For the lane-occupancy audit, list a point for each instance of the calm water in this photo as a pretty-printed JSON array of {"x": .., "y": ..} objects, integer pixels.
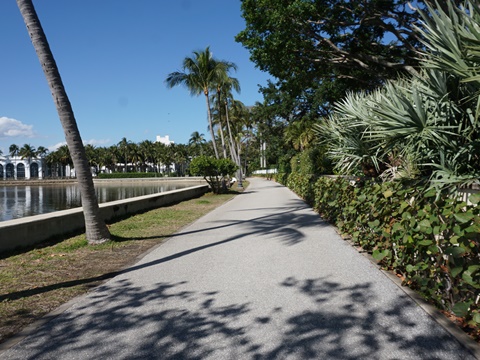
[{"x": 20, "y": 201}]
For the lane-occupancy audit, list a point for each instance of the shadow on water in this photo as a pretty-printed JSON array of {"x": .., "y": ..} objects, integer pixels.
[{"x": 171, "y": 322}]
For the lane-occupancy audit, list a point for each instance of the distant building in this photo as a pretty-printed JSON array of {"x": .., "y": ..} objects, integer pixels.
[
  {"x": 164, "y": 140},
  {"x": 14, "y": 167}
]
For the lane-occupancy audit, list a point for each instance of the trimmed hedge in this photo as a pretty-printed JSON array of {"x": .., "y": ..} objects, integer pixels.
[
  {"x": 432, "y": 241},
  {"x": 129, "y": 175}
]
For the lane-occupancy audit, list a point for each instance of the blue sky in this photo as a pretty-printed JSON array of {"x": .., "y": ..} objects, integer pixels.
[{"x": 113, "y": 56}]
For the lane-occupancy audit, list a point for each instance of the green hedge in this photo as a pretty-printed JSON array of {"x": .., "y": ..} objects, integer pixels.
[
  {"x": 129, "y": 175},
  {"x": 432, "y": 242}
]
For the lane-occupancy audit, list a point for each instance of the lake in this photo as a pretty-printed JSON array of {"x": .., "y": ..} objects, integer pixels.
[{"x": 18, "y": 201}]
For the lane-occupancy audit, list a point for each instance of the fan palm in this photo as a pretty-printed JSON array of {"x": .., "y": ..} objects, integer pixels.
[{"x": 428, "y": 122}]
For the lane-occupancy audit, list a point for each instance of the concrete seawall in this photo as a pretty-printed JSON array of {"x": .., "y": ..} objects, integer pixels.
[{"x": 35, "y": 229}]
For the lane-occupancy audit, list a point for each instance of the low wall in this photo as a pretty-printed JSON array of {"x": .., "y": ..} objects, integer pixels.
[{"x": 35, "y": 229}]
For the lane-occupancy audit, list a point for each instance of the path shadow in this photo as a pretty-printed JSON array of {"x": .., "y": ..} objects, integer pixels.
[
  {"x": 285, "y": 224},
  {"x": 351, "y": 322},
  {"x": 171, "y": 321}
]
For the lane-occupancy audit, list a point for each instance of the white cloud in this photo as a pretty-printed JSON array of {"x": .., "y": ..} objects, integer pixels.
[
  {"x": 56, "y": 146},
  {"x": 96, "y": 142},
  {"x": 13, "y": 128}
]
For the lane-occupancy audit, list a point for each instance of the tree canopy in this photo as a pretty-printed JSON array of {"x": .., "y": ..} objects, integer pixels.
[{"x": 330, "y": 47}]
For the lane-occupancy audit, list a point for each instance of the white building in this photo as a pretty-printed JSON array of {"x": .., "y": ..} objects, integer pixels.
[
  {"x": 164, "y": 140},
  {"x": 14, "y": 167}
]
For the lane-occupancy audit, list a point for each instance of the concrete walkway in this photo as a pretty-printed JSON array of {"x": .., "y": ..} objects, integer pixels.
[{"x": 262, "y": 277}]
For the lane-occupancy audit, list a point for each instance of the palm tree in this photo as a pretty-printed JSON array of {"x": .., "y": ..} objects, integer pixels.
[
  {"x": 27, "y": 151},
  {"x": 159, "y": 154},
  {"x": 63, "y": 157},
  {"x": 300, "y": 134},
  {"x": 200, "y": 74},
  {"x": 107, "y": 157},
  {"x": 52, "y": 164},
  {"x": 196, "y": 141},
  {"x": 180, "y": 158},
  {"x": 228, "y": 84},
  {"x": 92, "y": 156},
  {"x": 95, "y": 228},
  {"x": 224, "y": 86},
  {"x": 13, "y": 150},
  {"x": 42, "y": 151},
  {"x": 146, "y": 149},
  {"x": 136, "y": 156},
  {"x": 124, "y": 148}
]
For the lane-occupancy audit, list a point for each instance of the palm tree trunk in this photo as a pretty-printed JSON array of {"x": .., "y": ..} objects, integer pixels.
[
  {"x": 232, "y": 144},
  {"x": 95, "y": 227},
  {"x": 222, "y": 137},
  {"x": 209, "y": 114},
  {"x": 224, "y": 148}
]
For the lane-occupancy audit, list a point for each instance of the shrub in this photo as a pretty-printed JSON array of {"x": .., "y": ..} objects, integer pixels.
[
  {"x": 213, "y": 170},
  {"x": 431, "y": 241},
  {"x": 129, "y": 175}
]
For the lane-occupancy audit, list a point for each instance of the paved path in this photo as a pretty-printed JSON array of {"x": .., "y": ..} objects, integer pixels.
[{"x": 261, "y": 277}]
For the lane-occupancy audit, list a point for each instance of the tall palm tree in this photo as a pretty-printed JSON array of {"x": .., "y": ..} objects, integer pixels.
[
  {"x": 217, "y": 123},
  {"x": 95, "y": 228},
  {"x": 224, "y": 87},
  {"x": 200, "y": 74},
  {"x": 228, "y": 85}
]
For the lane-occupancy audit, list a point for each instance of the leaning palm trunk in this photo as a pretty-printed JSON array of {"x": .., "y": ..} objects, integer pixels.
[
  {"x": 224, "y": 148},
  {"x": 232, "y": 144},
  {"x": 222, "y": 138},
  {"x": 240, "y": 173},
  {"x": 212, "y": 134},
  {"x": 96, "y": 230},
  {"x": 235, "y": 153}
]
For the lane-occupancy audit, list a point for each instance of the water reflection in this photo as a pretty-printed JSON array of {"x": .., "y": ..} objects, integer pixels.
[{"x": 21, "y": 201}]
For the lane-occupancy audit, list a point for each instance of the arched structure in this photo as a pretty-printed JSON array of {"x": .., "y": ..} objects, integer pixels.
[{"x": 14, "y": 167}]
